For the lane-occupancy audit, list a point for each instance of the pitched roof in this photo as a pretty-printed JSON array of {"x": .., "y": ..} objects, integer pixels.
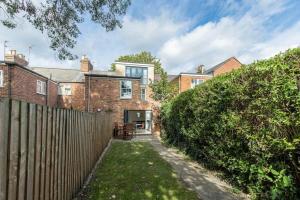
[
  {"x": 220, "y": 64},
  {"x": 170, "y": 77},
  {"x": 66, "y": 75}
]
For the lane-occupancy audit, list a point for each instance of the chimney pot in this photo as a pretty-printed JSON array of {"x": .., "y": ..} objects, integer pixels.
[
  {"x": 85, "y": 64},
  {"x": 200, "y": 69},
  {"x": 12, "y": 56}
]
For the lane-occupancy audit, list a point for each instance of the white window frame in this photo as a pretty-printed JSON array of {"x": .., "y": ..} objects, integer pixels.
[
  {"x": 62, "y": 89},
  {"x": 41, "y": 87},
  {"x": 196, "y": 82},
  {"x": 122, "y": 89},
  {"x": 1, "y": 78},
  {"x": 143, "y": 88}
]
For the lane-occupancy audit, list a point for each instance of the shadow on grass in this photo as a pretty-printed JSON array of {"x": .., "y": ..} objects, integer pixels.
[{"x": 133, "y": 170}]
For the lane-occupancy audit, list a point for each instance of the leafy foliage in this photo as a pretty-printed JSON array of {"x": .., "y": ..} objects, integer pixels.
[
  {"x": 60, "y": 18},
  {"x": 245, "y": 123}
]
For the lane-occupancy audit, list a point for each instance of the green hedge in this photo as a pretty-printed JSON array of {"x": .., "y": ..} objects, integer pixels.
[{"x": 245, "y": 123}]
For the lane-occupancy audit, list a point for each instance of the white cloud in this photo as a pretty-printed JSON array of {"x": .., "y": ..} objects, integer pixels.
[
  {"x": 169, "y": 37},
  {"x": 246, "y": 37}
]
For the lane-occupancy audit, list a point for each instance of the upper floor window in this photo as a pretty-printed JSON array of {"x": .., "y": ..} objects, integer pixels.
[
  {"x": 41, "y": 87},
  {"x": 141, "y": 72},
  {"x": 143, "y": 94},
  {"x": 1, "y": 78},
  {"x": 196, "y": 82},
  {"x": 126, "y": 89},
  {"x": 65, "y": 90}
]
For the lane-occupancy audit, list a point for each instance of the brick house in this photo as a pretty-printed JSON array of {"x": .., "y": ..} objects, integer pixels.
[
  {"x": 17, "y": 81},
  {"x": 125, "y": 92},
  {"x": 185, "y": 81}
]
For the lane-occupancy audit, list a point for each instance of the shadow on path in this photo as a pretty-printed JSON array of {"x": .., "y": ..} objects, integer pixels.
[{"x": 197, "y": 178}]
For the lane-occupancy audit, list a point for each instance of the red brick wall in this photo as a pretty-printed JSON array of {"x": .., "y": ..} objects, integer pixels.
[
  {"x": 105, "y": 95},
  {"x": 228, "y": 66},
  {"x": 186, "y": 81},
  {"x": 76, "y": 100},
  {"x": 23, "y": 86},
  {"x": 52, "y": 94}
]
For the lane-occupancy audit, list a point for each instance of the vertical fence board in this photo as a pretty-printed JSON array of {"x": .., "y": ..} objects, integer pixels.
[
  {"x": 4, "y": 122},
  {"x": 14, "y": 150},
  {"x": 48, "y": 154},
  {"x": 38, "y": 152},
  {"x": 23, "y": 151},
  {"x": 56, "y": 154},
  {"x": 53, "y": 154},
  {"x": 31, "y": 148},
  {"x": 43, "y": 152}
]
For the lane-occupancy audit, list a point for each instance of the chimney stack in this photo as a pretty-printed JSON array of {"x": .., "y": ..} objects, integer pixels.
[
  {"x": 85, "y": 64},
  {"x": 200, "y": 69},
  {"x": 12, "y": 56}
]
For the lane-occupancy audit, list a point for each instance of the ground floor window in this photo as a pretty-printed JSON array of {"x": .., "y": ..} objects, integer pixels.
[
  {"x": 196, "y": 82},
  {"x": 141, "y": 119},
  {"x": 126, "y": 89}
]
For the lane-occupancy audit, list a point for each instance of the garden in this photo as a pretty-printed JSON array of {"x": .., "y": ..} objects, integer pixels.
[{"x": 245, "y": 124}]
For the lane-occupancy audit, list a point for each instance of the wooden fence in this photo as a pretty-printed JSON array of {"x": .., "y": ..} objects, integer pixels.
[{"x": 47, "y": 153}]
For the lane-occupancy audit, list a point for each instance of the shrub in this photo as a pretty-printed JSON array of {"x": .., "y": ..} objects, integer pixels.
[{"x": 245, "y": 123}]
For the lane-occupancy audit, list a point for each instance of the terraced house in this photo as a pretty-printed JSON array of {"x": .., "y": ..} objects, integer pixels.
[
  {"x": 125, "y": 91},
  {"x": 187, "y": 80}
]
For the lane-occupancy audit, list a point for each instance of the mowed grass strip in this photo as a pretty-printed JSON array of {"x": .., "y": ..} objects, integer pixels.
[{"x": 133, "y": 170}]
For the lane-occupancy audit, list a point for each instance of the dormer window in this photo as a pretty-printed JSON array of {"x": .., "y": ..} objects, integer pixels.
[{"x": 140, "y": 72}]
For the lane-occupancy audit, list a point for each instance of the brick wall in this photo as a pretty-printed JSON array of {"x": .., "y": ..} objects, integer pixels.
[
  {"x": 76, "y": 100},
  {"x": 105, "y": 95},
  {"x": 186, "y": 81},
  {"x": 53, "y": 92},
  {"x": 23, "y": 86},
  {"x": 228, "y": 66}
]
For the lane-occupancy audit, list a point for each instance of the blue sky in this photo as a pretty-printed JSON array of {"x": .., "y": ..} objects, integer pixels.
[{"x": 182, "y": 33}]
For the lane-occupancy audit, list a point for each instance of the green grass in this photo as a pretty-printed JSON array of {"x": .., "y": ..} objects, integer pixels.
[{"x": 133, "y": 170}]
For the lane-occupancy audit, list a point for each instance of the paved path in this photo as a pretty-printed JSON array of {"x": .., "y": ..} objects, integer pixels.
[{"x": 207, "y": 186}]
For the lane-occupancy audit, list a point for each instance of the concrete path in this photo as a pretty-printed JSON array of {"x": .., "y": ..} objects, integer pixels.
[{"x": 207, "y": 186}]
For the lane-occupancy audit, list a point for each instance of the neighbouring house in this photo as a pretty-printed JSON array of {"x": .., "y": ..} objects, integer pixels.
[
  {"x": 186, "y": 81},
  {"x": 125, "y": 92},
  {"x": 18, "y": 81},
  {"x": 226, "y": 66}
]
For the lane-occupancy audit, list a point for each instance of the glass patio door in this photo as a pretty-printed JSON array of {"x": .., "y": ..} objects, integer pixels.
[{"x": 148, "y": 119}]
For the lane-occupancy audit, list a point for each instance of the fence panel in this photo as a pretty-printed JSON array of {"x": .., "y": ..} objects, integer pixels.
[{"x": 47, "y": 153}]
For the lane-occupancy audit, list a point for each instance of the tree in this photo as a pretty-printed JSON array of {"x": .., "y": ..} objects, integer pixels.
[
  {"x": 162, "y": 89},
  {"x": 143, "y": 57},
  {"x": 60, "y": 18}
]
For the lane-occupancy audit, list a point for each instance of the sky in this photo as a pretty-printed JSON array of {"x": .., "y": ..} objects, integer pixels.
[{"x": 181, "y": 33}]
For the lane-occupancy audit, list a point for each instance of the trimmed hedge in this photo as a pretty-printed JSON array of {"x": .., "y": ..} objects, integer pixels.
[{"x": 245, "y": 123}]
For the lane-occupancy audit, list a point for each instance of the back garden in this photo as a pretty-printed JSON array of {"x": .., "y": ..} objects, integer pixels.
[{"x": 245, "y": 124}]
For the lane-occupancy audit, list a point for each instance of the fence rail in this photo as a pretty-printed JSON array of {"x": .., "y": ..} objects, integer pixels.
[{"x": 46, "y": 153}]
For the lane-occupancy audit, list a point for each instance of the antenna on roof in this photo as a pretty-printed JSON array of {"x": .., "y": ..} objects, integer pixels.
[
  {"x": 4, "y": 48},
  {"x": 29, "y": 51}
]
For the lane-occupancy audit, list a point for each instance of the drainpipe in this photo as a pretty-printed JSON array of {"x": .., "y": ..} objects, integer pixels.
[{"x": 89, "y": 93}]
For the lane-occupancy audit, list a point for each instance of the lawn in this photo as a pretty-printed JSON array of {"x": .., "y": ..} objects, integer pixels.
[{"x": 133, "y": 170}]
